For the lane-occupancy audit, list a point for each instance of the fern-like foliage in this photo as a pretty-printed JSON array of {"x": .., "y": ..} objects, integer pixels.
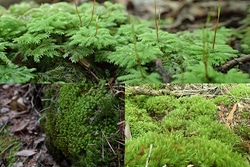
[
  {"x": 140, "y": 76},
  {"x": 106, "y": 36},
  {"x": 14, "y": 74},
  {"x": 218, "y": 55},
  {"x": 46, "y": 26},
  {"x": 88, "y": 40},
  {"x": 197, "y": 74}
]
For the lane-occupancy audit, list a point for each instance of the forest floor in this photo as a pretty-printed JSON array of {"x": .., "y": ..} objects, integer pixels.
[
  {"x": 22, "y": 138},
  {"x": 23, "y": 141}
]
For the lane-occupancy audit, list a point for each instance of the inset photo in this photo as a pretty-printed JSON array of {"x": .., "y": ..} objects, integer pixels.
[
  {"x": 133, "y": 41},
  {"x": 68, "y": 125},
  {"x": 187, "y": 125}
]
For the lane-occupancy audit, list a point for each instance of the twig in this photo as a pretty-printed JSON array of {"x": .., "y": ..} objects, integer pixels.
[
  {"x": 93, "y": 12},
  {"x": 8, "y": 147},
  {"x": 139, "y": 90},
  {"x": 4, "y": 125},
  {"x": 232, "y": 63},
  {"x": 108, "y": 143},
  {"x": 102, "y": 150},
  {"x": 150, "y": 152},
  {"x": 80, "y": 19}
]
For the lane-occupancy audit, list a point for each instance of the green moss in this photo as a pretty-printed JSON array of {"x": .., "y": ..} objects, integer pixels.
[
  {"x": 83, "y": 115},
  {"x": 160, "y": 104},
  {"x": 197, "y": 106},
  {"x": 187, "y": 133},
  {"x": 234, "y": 94},
  {"x": 139, "y": 120},
  {"x": 243, "y": 130},
  {"x": 211, "y": 129},
  {"x": 175, "y": 150},
  {"x": 240, "y": 91},
  {"x": 223, "y": 99},
  {"x": 138, "y": 100},
  {"x": 245, "y": 114}
]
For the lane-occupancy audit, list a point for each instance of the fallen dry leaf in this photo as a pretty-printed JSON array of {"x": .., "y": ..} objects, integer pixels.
[
  {"x": 13, "y": 103},
  {"x": 4, "y": 120},
  {"x": 127, "y": 132},
  {"x": 4, "y": 110},
  {"x": 19, "y": 126},
  {"x": 18, "y": 164},
  {"x": 25, "y": 153},
  {"x": 230, "y": 117},
  {"x": 38, "y": 141}
]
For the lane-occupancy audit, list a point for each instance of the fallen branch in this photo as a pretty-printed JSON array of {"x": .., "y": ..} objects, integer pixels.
[{"x": 230, "y": 64}]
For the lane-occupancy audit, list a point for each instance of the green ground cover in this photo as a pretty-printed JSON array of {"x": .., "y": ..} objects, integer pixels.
[{"x": 183, "y": 130}]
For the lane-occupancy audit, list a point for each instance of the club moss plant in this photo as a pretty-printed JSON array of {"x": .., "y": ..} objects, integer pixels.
[
  {"x": 183, "y": 131},
  {"x": 106, "y": 42},
  {"x": 81, "y": 124}
]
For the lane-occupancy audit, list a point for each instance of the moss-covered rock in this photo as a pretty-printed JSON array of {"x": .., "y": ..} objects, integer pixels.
[{"x": 81, "y": 122}]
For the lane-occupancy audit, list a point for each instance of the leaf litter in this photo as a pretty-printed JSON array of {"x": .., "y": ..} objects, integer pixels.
[
  {"x": 19, "y": 115},
  {"x": 23, "y": 123}
]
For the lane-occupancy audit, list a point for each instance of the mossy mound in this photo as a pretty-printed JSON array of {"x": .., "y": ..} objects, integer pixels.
[
  {"x": 139, "y": 120},
  {"x": 160, "y": 104},
  {"x": 81, "y": 122},
  {"x": 174, "y": 150}
]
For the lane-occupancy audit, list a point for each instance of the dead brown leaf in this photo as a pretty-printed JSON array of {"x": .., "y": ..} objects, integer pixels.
[
  {"x": 230, "y": 117},
  {"x": 25, "y": 153},
  {"x": 19, "y": 126}
]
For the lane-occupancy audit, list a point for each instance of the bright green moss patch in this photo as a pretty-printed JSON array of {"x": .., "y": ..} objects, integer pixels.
[
  {"x": 139, "y": 120},
  {"x": 175, "y": 150},
  {"x": 81, "y": 122},
  {"x": 183, "y": 131},
  {"x": 223, "y": 99},
  {"x": 240, "y": 91},
  {"x": 160, "y": 104},
  {"x": 197, "y": 106},
  {"x": 234, "y": 94}
]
